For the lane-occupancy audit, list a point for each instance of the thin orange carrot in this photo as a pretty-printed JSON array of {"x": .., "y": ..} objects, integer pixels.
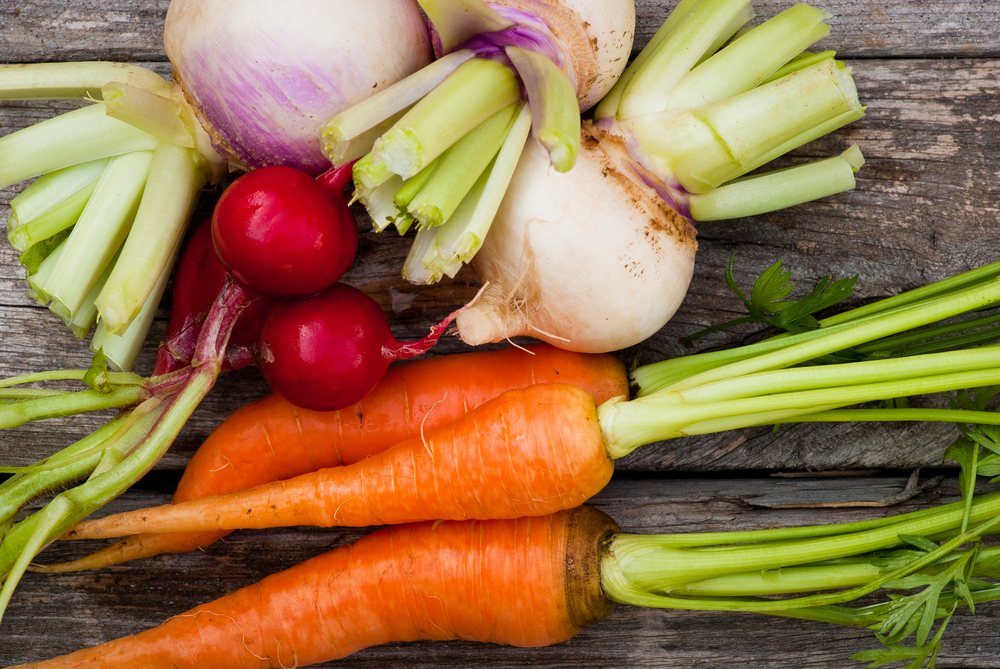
[
  {"x": 528, "y": 452},
  {"x": 271, "y": 439},
  {"x": 526, "y": 582}
]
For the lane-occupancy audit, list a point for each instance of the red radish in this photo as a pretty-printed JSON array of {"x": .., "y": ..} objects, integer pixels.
[
  {"x": 282, "y": 232},
  {"x": 327, "y": 351},
  {"x": 197, "y": 282}
]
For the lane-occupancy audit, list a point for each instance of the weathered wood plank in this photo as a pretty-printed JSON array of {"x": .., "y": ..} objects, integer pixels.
[
  {"x": 90, "y": 608},
  {"x": 132, "y": 30}
]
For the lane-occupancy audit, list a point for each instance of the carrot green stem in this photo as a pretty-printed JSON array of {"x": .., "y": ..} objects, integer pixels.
[
  {"x": 652, "y": 571},
  {"x": 658, "y": 376}
]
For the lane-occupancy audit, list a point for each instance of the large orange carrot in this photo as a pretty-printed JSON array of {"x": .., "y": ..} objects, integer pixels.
[
  {"x": 271, "y": 439},
  {"x": 525, "y": 582},
  {"x": 528, "y": 452}
]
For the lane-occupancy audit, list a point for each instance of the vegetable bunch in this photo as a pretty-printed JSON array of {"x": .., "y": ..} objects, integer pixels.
[{"x": 99, "y": 231}]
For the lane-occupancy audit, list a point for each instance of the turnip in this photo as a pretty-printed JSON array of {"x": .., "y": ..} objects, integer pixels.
[
  {"x": 438, "y": 149},
  {"x": 253, "y": 81},
  {"x": 599, "y": 258}
]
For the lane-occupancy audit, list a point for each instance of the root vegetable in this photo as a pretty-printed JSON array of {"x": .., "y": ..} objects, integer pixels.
[
  {"x": 411, "y": 398},
  {"x": 539, "y": 581}
]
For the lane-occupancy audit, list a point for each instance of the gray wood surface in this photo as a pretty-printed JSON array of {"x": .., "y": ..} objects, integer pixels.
[{"x": 926, "y": 207}]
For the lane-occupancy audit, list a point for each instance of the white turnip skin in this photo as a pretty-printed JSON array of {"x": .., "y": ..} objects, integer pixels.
[
  {"x": 596, "y": 37},
  {"x": 263, "y": 76},
  {"x": 591, "y": 260}
]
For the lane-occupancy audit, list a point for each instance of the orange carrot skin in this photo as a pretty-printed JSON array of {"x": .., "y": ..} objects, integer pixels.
[
  {"x": 271, "y": 439},
  {"x": 525, "y": 582},
  {"x": 529, "y": 452}
]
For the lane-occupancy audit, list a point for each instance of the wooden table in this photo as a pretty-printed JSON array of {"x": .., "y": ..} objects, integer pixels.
[{"x": 926, "y": 207}]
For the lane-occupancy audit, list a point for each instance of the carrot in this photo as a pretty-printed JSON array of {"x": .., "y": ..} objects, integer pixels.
[
  {"x": 515, "y": 440},
  {"x": 528, "y": 452},
  {"x": 539, "y": 581},
  {"x": 271, "y": 439},
  {"x": 526, "y": 582}
]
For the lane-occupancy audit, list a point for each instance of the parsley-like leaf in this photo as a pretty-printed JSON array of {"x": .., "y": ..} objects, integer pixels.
[{"x": 767, "y": 303}]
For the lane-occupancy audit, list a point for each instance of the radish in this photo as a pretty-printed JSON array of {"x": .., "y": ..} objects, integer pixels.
[
  {"x": 437, "y": 149},
  {"x": 283, "y": 233},
  {"x": 271, "y": 207},
  {"x": 253, "y": 80},
  {"x": 327, "y": 351},
  {"x": 599, "y": 258},
  {"x": 197, "y": 281}
]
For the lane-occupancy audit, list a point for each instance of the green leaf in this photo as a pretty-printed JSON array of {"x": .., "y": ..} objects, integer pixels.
[
  {"x": 767, "y": 303},
  {"x": 97, "y": 376}
]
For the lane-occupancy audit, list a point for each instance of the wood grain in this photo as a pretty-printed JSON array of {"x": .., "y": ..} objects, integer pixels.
[{"x": 926, "y": 207}]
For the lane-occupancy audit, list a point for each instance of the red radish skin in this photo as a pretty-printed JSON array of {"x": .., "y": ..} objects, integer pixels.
[
  {"x": 327, "y": 351},
  {"x": 282, "y": 232},
  {"x": 197, "y": 282}
]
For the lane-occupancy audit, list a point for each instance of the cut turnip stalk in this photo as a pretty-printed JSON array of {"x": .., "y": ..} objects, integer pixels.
[
  {"x": 52, "y": 203},
  {"x": 494, "y": 54},
  {"x": 673, "y": 143},
  {"x": 243, "y": 97}
]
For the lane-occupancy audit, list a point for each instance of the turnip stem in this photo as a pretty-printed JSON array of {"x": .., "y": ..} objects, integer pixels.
[
  {"x": 472, "y": 93},
  {"x": 649, "y": 88},
  {"x": 460, "y": 168},
  {"x": 705, "y": 147},
  {"x": 608, "y": 107},
  {"x": 342, "y": 135},
  {"x": 52, "y": 203},
  {"x": 69, "y": 139},
  {"x": 83, "y": 81},
  {"x": 801, "y": 61},
  {"x": 779, "y": 189},
  {"x": 751, "y": 58},
  {"x": 158, "y": 115},
  {"x": 555, "y": 113},
  {"x": 456, "y": 21},
  {"x": 175, "y": 179},
  {"x": 122, "y": 350},
  {"x": 100, "y": 231}
]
